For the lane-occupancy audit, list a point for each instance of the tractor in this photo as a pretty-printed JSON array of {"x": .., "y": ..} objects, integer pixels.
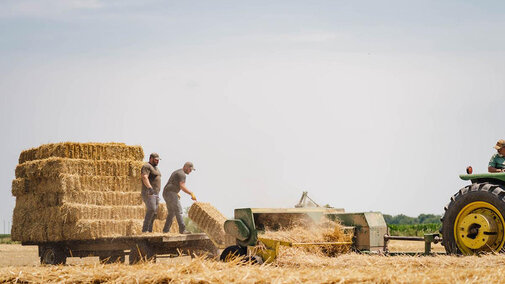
[{"x": 474, "y": 219}]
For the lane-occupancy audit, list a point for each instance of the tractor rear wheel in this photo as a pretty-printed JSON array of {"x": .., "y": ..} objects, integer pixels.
[{"x": 474, "y": 221}]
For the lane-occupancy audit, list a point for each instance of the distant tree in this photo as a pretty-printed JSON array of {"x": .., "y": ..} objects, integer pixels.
[
  {"x": 388, "y": 218},
  {"x": 402, "y": 219},
  {"x": 428, "y": 219}
]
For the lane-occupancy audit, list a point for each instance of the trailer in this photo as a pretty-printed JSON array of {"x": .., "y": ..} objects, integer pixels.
[{"x": 138, "y": 248}]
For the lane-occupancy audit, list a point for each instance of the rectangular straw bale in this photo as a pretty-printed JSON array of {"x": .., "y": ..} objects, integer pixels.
[
  {"x": 94, "y": 212},
  {"x": 33, "y": 227},
  {"x": 18, "y": 223},
  {"x": 94, "y": 198},
  {"x": 88, "y": 151},
  {"x": 93, "y": 229},
  {"x": 32, "y": 200},
  {"x": 162, "y": 213},
  {"x": 211, "y": 221},
  {"x": 43, "y": 228},
  {"x": 103, "y": 198},
  {"x": 72, "y": 212},
  {"x": 68, "y": 182},
  {"x": 159, "y": 224},
  {"x": 53, "y": 167},
  {"x": 136, "y": 227},
  {"x": 19, "y": 186}
]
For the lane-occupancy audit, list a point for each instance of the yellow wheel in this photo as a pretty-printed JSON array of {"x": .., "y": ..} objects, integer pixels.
[{"x": 473, "y": 221}]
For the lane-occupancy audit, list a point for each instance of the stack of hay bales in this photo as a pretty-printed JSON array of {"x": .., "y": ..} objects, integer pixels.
[
  {"x": 211, "y": 221},
  {"x": 79, "y": 191}
]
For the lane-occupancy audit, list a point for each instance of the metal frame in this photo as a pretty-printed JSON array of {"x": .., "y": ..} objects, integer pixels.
[
  {"x": 427, "y": 239},
  {"x": 120, "y": 246}
]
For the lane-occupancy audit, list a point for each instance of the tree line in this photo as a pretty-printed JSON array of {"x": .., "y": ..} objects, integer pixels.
[{"x": 402, "y": 225}]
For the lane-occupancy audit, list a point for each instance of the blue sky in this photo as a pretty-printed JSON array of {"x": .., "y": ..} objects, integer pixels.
[{"x": 368, "y": 105}]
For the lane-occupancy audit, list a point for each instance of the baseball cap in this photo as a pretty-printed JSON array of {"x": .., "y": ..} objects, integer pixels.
[
  {"x": 190, "y": 165},
  {"x": 500, "y": 144},
  {"x": 155, "y": 155}
]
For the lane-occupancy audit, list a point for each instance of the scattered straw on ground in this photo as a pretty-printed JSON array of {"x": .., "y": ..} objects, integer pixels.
[{"x": 348, "y": 268}]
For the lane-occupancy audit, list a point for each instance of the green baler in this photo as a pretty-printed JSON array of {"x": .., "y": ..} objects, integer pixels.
[{"x": 369, "y": 228}]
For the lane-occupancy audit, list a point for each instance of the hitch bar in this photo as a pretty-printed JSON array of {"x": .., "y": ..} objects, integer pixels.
[{"x": 427, "y": 239}]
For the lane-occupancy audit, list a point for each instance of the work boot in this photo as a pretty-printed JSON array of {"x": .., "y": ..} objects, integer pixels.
[{"x": 186, "y": 232}]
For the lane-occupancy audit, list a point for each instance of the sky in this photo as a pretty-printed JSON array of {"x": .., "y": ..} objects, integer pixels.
[{"x": 367, "y": 105}]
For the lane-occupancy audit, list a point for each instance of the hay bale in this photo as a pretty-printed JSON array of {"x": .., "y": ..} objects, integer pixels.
[
  {"x": 159, "y": 224},
  {"x": 162, "y": 212},
  {"x": 71, "y": 182},
  {"x": 50, "y": 231},
  {"x": 83, "y": 197},
  {"x": 94, "y": 229},
  {"x": 53, "y": 167},
  {"x": 211, "y": 221},
  {"x": 72, "y": 191},
  {"x": 79, "y": 191},
  {"x": 88, "y": 151},
  {"x": 50, "y": 218}
]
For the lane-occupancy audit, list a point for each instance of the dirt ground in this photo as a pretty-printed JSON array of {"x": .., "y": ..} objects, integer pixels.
[{"x": 18, "y": 255}]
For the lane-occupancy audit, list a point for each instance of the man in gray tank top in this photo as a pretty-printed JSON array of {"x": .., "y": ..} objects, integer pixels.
[
  {"x": 151, "y": 185},
  {"x": 176, "y": 183}
]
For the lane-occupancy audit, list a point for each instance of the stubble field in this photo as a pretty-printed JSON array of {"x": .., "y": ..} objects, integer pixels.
[{"x": 21, "y": 265}]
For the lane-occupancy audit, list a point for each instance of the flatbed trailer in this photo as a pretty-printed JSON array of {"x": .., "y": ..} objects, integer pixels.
[{"x": 110, "y": 250}]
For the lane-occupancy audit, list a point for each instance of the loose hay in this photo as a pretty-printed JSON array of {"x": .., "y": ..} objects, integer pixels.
[
  {"x": 349, "y": 268},
  {"x": 326, "y": 231}
]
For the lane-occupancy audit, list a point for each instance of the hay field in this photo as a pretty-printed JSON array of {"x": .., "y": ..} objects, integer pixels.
[{"x": 347, "y": 268}]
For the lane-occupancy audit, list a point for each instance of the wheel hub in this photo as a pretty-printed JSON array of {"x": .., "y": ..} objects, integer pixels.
[
  {"x": 479, "y": 227},
  {"x": 477, "y": 230}
]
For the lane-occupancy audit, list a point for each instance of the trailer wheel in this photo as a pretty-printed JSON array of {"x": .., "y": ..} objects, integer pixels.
[
  {"x": 232, "y": 252},
  {"x": 142, "y": 252},
  {"x": 53, "y": 255},
  {"x": 474, "y": 221},
  {"x": 114, "y": 257}
]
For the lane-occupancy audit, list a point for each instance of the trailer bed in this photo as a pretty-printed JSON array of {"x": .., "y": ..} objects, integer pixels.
[{"x": 139, "y": 247}]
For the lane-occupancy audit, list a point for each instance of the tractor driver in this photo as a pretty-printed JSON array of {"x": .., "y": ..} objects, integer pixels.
[{"x": 497, "y": 162}]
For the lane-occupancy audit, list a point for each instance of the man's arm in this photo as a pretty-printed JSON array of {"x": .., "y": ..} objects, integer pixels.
[
  {"x": 491, "y": 167},
  {"x": 145, "y": 180},
  {"x": 185, "y": 189},
  {"x": 494, "y": 170}
]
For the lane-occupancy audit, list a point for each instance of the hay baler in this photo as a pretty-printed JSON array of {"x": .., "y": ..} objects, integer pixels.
[{"x": 368, "y": 229}]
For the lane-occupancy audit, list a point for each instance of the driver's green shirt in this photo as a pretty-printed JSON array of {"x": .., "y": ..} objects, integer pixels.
[{"x": 497, "y": 161}]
